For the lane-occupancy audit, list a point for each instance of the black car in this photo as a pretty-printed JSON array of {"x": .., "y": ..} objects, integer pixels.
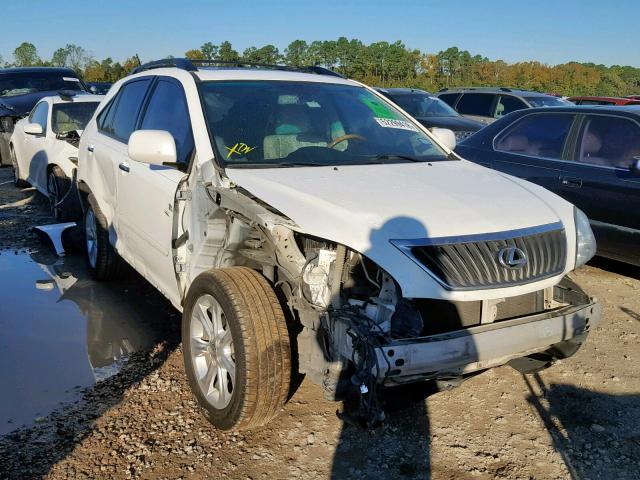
[
  {"x": 588, "y": 155},
  {"x": 21, "y": 89},
  {"x": 99, "y": 88},
  {"x": 431, "y": 111}
]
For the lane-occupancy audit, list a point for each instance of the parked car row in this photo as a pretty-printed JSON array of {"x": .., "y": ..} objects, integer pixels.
[{"x": 296, "y": 217}]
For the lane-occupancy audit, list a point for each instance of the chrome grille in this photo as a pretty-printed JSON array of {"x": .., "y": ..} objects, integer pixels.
[{"x": 472, "y": 262}]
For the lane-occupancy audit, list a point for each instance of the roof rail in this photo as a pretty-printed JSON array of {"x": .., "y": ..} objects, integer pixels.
[{"x": 192, "y": 66}]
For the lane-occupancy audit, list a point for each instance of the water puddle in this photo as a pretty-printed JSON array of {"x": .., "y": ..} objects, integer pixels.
[{"x": 60, "y": 331}]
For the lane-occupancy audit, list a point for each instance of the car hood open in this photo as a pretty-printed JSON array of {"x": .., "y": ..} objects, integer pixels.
[{"x": 365, "y": 206}]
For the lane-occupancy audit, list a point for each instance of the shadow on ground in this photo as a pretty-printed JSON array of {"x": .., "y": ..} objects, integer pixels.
[{"x": 595, "y": 433}]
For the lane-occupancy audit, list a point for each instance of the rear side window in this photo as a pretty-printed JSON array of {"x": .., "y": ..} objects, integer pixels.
[
  {"x": 167, "y": 110},
  {"x": 537, "y": 135},
  {"x": 121, "y": 116},
  {"x": 449, "y": 98},
  {"x": 507, "y": 104},
  {"x": 609, "y": 141},
  {"x": 476, "y": 104}
]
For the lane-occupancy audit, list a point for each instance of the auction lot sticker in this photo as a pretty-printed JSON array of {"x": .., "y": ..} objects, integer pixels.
[{"x": 391, "y": 123}]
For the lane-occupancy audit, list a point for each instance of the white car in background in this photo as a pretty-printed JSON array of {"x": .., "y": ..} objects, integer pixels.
[{"x": 44, "y": 148}]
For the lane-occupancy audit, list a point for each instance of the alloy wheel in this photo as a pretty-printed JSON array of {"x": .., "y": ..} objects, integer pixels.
[{"x": 212, "y": 351}]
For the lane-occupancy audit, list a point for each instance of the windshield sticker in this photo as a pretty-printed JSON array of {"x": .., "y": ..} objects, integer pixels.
[
  {"x": 71, "y": 79},
  {"x": 391, "y": 123},
  {"x": 378, "y": 108},
  {"x": 239, "y": 149}
]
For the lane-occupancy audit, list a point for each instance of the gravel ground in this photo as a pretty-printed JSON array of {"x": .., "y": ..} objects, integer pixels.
[{"x": 580, "y": 419}]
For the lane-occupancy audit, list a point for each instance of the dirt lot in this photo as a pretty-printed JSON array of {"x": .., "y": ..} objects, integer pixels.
[{"x": 580, "y": 419}]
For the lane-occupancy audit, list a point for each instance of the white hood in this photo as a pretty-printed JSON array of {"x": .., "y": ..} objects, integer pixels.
[{"x": 363, "y": 207}]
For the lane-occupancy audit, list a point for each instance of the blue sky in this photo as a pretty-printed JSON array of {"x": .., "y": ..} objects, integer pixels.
[{"x": 549, "y": 31}]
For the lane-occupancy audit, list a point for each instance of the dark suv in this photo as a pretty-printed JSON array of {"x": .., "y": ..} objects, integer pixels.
[
  {"x": 21, "y": 89},
  {"x": 488, "y": 104},
  {"x": 431, "y": 112}
]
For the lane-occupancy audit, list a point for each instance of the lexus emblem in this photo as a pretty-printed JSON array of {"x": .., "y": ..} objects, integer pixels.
[{"x": 512, "y": 257}]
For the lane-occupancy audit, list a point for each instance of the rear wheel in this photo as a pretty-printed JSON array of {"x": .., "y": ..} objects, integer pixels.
[
  {"x": 17, "y": 181},
  {"x": 103, "y": 261},
  {"x": 236, "y": 348}
]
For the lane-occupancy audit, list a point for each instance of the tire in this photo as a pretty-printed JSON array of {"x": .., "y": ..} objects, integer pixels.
[
  {"x": 103, "y": 261},
  {"x": 17, "y": 181},
  {"x": 57, "y": 185},
  {"x": 252, "y": 338}
]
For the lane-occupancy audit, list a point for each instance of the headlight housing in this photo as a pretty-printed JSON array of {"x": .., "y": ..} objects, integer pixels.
[{"x": 585, "y": 240}]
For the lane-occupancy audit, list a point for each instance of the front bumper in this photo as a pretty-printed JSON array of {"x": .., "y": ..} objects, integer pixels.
[
  {"x": 460, "y": 352},
  {"x": 485, "y": 346}
]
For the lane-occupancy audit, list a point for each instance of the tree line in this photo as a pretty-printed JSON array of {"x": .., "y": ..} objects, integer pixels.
[{"x": 378, "y": 64}]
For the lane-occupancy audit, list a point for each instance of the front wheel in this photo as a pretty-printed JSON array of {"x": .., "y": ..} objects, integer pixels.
[
  {"x": 236, "y": 348},
  {"x": 17, "y": 181},
  {"x": 57, "y": 181},
  {"x": 103, "y": 261}
]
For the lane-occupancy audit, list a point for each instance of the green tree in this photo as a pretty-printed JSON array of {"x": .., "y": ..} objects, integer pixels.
[
  {"x": 26, "y": 55},
  {"x": 209, "y": 51},
  {"x": 267, "y": 54},
  {"x": 226, "y": 53},
  {"x": 297, "y": 53}
]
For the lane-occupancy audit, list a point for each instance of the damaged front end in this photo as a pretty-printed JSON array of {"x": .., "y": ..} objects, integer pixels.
[{"x": 353, "y": 329}]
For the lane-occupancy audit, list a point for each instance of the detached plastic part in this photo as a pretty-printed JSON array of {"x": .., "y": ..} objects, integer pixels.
[{"x": 54, "y": 232}]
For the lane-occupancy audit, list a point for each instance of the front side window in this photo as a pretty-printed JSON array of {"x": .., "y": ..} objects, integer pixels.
[
  {"x": 167, "y": 110},
  {"x": 537, "y": 135},
  {"x": 423, "y": 105},
  {"x": 39, "y": 115},
  {"x": 66, "y": 117},
  {"x": 120, "y": 121},
  {"x": 507, "y": 104},
  {"x": 476, "y": 104},
  {"x": 609, "y": 141},
  {"x": 14, "y": 84},
  {"x": 279, "y": 123}
]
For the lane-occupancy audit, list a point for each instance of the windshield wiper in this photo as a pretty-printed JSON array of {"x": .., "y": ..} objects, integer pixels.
[
  {"x": 395, "y": 156},
  {"x": 277, "y": 165}
]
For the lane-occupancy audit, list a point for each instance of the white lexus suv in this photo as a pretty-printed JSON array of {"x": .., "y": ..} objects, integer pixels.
[{"x": 300, "y": 220}]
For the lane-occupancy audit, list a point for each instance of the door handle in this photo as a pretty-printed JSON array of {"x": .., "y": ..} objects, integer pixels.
[
  {"x": 90, "y": 148},
  {"x": 124, "y": 167},
  {"x": 572, "y": 182}
]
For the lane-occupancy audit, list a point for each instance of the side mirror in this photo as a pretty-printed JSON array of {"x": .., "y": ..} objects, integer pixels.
[
  {"x": 93, "y": 89},
  {"x": 155, "y": 147},
  {"x": 635, "y": 165},
  {"x": 33, "y": 129},
  {"x": 445, "y": 136}
]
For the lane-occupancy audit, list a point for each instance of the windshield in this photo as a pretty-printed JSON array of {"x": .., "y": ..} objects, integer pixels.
[
  {"x": 276, "y": 123},
  {"x": 424, "y": 105},
  {"x": 548, "y": 102},
  {"x": 66, "y": 117},
  {"x": 12, "y": 84}
]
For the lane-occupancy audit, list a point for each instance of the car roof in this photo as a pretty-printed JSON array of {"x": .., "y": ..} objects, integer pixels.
[
  {"x": 610, "y": 99},
  {"x": 66, "y": 71},
  {"x": 401, "y": 91},
  {"x": 516, "y": 91}
]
